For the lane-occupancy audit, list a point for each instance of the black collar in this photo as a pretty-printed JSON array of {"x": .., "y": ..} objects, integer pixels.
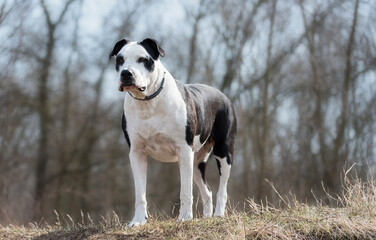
[{"x": 154, "y": 94}]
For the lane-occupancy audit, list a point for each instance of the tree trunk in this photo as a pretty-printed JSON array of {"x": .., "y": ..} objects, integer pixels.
[
  {"x": 338, "y": 142},
  {"x": 44, "y": 115},
  {"x": 43, "y": 109},
  {"x": 265, "y": 171},
  {"x": 193, "y": 44}
]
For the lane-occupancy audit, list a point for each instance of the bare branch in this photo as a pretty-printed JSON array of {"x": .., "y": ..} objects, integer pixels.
[{"x": 46, "y": 13}]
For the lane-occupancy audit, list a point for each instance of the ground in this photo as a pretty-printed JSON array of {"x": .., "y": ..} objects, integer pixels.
[{"x": 354, "y": 217}]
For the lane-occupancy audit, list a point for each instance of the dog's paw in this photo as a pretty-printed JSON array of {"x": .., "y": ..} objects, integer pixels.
[
  {"x": 219, "y": 213},
  {"x": 208, "y": 210},
  {"x": 185, "y": 216},
  {"x": 179, "y": 220},
  {"x": 137, "y": 222},
  {"x": 220, "y": 210}
]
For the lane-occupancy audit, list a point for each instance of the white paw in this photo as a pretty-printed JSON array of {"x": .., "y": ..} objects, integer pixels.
[
  {"x": 208, "y": 210},
  {"x": 185, "y": 215},
  {"x": 219, "y": 214},
  {"x": 220, "y": 207},
  {"x": 137, "y": 221}
]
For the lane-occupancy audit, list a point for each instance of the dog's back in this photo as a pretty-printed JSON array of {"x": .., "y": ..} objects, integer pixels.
[{"x": 210, "y": 115}]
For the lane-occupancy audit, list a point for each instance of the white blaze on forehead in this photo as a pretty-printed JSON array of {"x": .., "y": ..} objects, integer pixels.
[{"x": 132, "y": 51}]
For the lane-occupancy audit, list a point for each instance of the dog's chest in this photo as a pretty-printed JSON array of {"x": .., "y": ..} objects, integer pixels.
[
  {"x": 160, "y": 146},
  {"x": 158, "y": 133}
]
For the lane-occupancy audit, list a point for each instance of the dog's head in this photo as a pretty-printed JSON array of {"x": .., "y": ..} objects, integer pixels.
[{"x": 135, "y": 63}]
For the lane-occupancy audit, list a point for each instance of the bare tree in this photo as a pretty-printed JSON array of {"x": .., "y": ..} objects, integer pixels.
[
  {"x": 331, "y": 175},
  {"x": 236, "y": 30},
  {"x": 43, "y": 101},
  {"x": 196, "y": 17},
  {"x": 263, "y": 128},
  {"x": 7, "y": 8}
]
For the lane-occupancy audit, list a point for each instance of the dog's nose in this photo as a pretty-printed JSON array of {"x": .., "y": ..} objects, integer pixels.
[
  {"x": 126, "y": 74},
  {"x": 127, "y": 78}
]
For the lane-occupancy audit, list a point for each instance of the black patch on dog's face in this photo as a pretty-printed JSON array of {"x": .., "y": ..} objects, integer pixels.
[
  {"x": 119, "y": 62},
  {"x": 148, "y": 63}
]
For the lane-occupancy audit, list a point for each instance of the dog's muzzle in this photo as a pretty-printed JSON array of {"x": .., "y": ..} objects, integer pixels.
[{"x": 127, "y": 81}]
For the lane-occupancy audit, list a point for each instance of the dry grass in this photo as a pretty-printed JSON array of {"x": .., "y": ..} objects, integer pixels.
[{"x": 354, "y": 218}]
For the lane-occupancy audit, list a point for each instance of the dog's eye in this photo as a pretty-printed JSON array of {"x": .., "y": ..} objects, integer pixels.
[
  {"x": 141, "y": 60},
  {"x": 120, "y": 60}
]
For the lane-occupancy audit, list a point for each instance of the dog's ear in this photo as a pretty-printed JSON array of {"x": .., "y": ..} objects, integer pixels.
[
  {"x": 118, "y": 46},
  {"x": 153, "y": 48}
]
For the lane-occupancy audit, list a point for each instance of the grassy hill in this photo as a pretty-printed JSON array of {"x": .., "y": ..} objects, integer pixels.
[{"x": 354, "y": 218}]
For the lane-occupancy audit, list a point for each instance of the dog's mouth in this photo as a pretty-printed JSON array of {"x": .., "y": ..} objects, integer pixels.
[{"x": 128, "y": 88}]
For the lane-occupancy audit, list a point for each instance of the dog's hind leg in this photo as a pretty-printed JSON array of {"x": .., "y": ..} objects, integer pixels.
[
  {"x": 201, "y": 158},
  {"x": 224, "y": 131},
  {"x": 224, "y": 171}
]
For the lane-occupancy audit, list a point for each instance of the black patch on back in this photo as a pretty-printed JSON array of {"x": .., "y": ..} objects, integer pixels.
[
  {"x": 205, "y": 109},
  {"x": 203, "y": 105},
  {"x": 124, "y": 127},
  {"x": 191, "y": 126},
  {"x": 209, "y": 114},
  {"x": 118, "y": 46},
  {"x": 153, "y": 48},
  {"x": 202, "y": 167}
]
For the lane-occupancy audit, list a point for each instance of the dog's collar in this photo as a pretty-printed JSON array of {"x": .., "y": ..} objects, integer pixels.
[{"x": 154, "y": 94}]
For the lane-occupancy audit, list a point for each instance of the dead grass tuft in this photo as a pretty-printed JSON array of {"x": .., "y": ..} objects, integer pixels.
[{"x": 353, "y": 218}]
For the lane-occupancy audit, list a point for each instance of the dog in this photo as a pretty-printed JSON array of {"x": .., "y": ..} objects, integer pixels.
[{"x": 172, "y": 122}]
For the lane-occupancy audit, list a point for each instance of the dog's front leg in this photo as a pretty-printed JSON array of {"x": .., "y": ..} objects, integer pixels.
[
  {"x": 186, "y": 182},
  {"x": 139, "y": 169}
]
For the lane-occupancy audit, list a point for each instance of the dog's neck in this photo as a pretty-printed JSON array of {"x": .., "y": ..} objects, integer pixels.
[
  {"x": 148, "y": 108},
  {"x": 154, "y": 87},
  {"x": 156, "y": 83},
  {"x": 155, "y": 93}
]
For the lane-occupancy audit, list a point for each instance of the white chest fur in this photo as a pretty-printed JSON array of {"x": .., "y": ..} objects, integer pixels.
[{"x": 157, "y": 127}]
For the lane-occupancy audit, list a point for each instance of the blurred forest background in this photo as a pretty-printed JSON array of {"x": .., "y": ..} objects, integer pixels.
[{"x": 301, "y": 74}]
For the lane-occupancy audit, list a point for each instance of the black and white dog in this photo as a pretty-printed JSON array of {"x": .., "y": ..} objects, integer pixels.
[{"x": 173, "y": 122}]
